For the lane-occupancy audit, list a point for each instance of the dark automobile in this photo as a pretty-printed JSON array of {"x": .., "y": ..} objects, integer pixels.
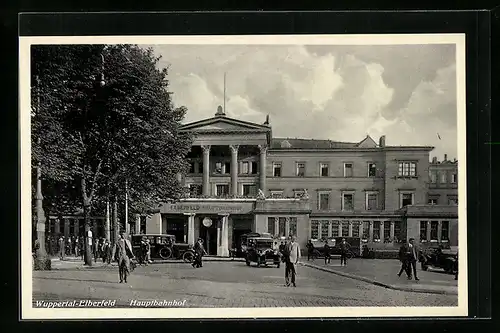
[
  {"x": 163, "y": 246},
  {"x": 241, "y": 252},
  {"x": 439, "y": 258},
  {"x": 334, "y": 247},
  {"x": 261, "y": 250}
]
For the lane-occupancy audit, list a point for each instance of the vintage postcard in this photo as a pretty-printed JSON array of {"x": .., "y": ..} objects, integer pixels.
[{"x": 243, "y": 176}]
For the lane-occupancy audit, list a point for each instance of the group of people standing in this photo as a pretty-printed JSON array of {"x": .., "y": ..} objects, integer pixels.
[{"x": 344, "y": 249}]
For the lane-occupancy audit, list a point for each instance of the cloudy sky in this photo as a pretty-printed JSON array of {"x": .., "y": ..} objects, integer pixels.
[{"x": 342, "y": 93}]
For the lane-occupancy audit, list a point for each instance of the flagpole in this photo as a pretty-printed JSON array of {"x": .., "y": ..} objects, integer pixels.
[{"x": 224, "y": 92}]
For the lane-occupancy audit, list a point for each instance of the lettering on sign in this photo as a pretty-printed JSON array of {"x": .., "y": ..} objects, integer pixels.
[{"x": 209, "y": 208}]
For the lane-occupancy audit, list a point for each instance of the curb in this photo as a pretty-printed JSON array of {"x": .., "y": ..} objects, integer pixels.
[{"x": 380, "y": 284}]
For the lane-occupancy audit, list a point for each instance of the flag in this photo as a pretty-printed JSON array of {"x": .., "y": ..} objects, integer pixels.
[{"x": 439, "y": 137}]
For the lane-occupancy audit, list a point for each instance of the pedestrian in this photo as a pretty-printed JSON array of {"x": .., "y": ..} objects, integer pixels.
[
  {"x": 292, "y": 254},
  {"x": 199, "y": 251},
  {"x": 403, "y": 257},
  {"x": 310, "y": 250},
  {"x": 413, "y": 258},
  {"x": 82, "y": 247},
  {"x": 68, "y": 246},
  {"x": 62, "y": 248},
  {"x": 148, "y": 252},
  {"x": 77, "y": 247},
  {"x": 344, "y": 250},
  {"x": 142, "y": 251},
  {"x": 122, "y": 253},
  {"x": 326, "y": 252},
  {"x": 281, "y": 248}
]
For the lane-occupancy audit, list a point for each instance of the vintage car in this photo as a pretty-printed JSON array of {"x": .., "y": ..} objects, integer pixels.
[
  {"x": 261, "y": 251},
  {"x": 163, "y": 246},
  {"x": 334, "y": 245},
  {"x": 241, "y": 252},
  {"x": 440, "y": 258}
]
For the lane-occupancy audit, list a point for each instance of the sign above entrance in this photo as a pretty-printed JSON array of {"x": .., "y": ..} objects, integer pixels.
[
  {"x": 208, "y": 208},
  {"x": 207, "y": 222}
]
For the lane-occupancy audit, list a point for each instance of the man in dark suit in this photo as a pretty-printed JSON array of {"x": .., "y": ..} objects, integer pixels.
[
  {"x": 122, "y": 252},
  {"x": 344, "y": 249},
  {"x": 199, "y": 251},
  {"x": 413, "y": 258},
  {"x": 326, "y": 250},
  {"x": 404, "y": 253}
]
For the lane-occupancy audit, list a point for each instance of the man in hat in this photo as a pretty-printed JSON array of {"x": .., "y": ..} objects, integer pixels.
[
  {"x": 122, "y": 252},
  {"x": 199, "y": 251},
  {"x": 344, "y": 249},
  {"x": 292, "y": 258},
  {"x": 413, "y": 258},
  {"x": 326, "y": 250}
]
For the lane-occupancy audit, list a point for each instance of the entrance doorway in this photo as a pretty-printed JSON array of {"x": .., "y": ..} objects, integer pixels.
[{"x": 209, "y": 236}]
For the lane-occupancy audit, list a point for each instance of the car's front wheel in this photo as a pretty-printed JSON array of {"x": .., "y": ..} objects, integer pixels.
[
  {"x": 165, "y": 253},
  {"x": 188, "y": 256}
]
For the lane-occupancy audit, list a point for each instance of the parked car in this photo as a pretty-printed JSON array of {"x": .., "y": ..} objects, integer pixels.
[
  {"x": 440, "y": 258},
  {"x": 241, "y": 252},
  {"x": 334, "y": 244},
  {"x": 163, "y": 246},
  {"x": 261, "y": 250}
]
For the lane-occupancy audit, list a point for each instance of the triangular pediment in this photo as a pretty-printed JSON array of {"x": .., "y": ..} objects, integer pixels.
[
  {"x": 223, "y": 124},
  {"x": 367, "y": 142}
]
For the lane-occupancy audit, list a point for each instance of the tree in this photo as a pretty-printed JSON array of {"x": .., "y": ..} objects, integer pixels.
[{"x": 110, "y": 107}]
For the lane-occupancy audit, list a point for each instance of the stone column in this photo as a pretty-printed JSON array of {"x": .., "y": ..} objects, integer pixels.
[
  {"x": 276, "y": 226},
  {"x": 190, "y": 228},
  {"x": 206, "y": 170},
  {"x": 287, "y": 227},
  {"x": 107, "y": 227},
  {"x": 392, "y": 230},
  {"x": 224, "y": 234},
  {"x": 137, "y": 224},
  {"x": 350, "y": 229},
  {"x": 440, "y": 230},
  {"x": 57, "y": 227},
  {"x": 370, "y": 237},
  {"x": 234, "y": 169},
  {"x": 263, "y": 166},
  {"x": 428, "y": 231}
]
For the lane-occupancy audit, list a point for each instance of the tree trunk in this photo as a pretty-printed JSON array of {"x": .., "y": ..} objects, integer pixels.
[
  {"x": 88, "y": 236},
  {"x": 116, "y": 226},
  {"x": 107, "y": 228}
]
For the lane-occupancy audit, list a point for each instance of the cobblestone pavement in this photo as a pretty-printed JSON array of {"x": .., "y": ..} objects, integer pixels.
[{"x": 223, "y": 284}]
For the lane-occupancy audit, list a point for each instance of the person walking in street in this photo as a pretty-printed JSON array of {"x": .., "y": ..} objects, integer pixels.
[
  {"x": 413, "y": 258},
  {"x": 310, "y": 250},
  {"x": 292, "y": 253},
  {"x": 122, "y": 252},
  {"x": 199, "y": 251},
  {"x": 326, "y": 252},
  {"x": 77, "y": 247},
  {"x": 404, "y": 252},
  {"x": 148, "y": 252},
  {"x": 62, "y": 248},
  {"x": 344, "y": 250}
]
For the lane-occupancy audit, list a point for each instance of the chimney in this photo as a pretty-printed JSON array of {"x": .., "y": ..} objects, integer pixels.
[
  {"x": 381, "y": 141},
  {"x": 445, "y": 157},
  {"x": 434, "y": 160}
]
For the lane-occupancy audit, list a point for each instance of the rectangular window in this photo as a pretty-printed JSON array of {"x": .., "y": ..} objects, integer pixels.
[
  {"x": 244, "y": 168},
  {"x": 366, "y": 229},
  {"x": 453, "y": 200},
  {"x": 372, "y": 170},
  {"x": 434, "y": 230},
  {"x": 443, "y": 178},
  {"x": 195, "y": 190},
  {"x": 249, "y": 190},
  {"x": 433, "y": 177},
  {"x": 255, "y": 168},
  {"x": 301, "y": 169},
  {"x": 270, "y": 226},
  {"x": 345, "y": 229},
  {"x": 407, "y": 169},
  {"x": 324, "y": 201},
  {"x": 276, "y": 169},
  {"x": 371, "y": 201},
  {"x": 406, "y": 199},
  {"x": 376, "y": 230},
  {"x": 276, "y": 194},
  {"x": 323, "y": 169},
  {"x": 355, "y": 228},
  {"x": 324, "y": 229},
  {"x": 218, "y": 168},
  {"x": 221, "y": 190},
  {"x": 192, "y": 167},
  {"x": 227, "y": 167},
  {"x": 432, "y": 201},
  {"x": 281, "y": 226},
  {"x": 335, "y": 228},
  {"x": 398, "y": 231},
  {"x": 293, "y": 226},
  {"x": 387, "y": 230},
  {"x": 453, "y": 178},
  {"x": 347, "y": 201},
  {"x": 348, "y": 170},
  {"x": 314, "y": 229},
  {"x": 423, "y": 231},
  {"x": 445, "y": 230}
]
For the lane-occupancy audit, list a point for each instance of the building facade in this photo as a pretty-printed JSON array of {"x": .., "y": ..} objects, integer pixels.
[{"x": 242, "y": 179}]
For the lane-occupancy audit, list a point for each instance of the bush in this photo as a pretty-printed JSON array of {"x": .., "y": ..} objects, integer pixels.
[{"x": 42, "y": 264}]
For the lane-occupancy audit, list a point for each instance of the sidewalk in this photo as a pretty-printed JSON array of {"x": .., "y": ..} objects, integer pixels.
[
  {"x": 383, "y": 272},
  {"x": 77, "y": 262}
]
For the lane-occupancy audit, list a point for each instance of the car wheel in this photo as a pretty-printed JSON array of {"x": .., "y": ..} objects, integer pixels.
[
  {"x": 424, "y": 267},
  {"x": 165, "y": 253},
  {"x": 188, "y": 256}
]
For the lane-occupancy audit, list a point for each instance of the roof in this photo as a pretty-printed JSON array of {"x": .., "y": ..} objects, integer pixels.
[{"x": 287, "y": 143}]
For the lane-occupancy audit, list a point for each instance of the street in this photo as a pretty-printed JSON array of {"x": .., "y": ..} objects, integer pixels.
[{"x": 223, "y": 284}]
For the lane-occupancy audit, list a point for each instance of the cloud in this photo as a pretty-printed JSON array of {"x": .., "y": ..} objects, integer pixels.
[{"x": 407, "y": 93}]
